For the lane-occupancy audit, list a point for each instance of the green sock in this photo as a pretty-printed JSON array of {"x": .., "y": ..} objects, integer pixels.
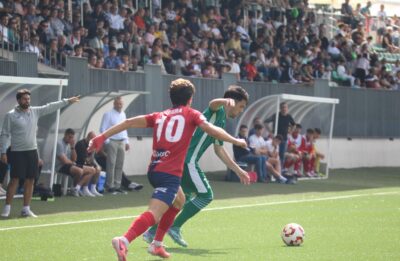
[
  {"x": 153, "y": 229},
  {"x": 190, "y": 209}
]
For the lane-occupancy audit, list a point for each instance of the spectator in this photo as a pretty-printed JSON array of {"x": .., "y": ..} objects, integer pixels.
[
  {"x": 4, "y": 30},
  {"x": 83, "y": 158},
  {"x": 285, "y": 121},
  {"x": 248, "y": 156},
  {"x": 274, "y": 162},
  {"x": 66, "y": 164},
  {"x": 235, "y": 69},
  {"x": 318, "y": 155},
  {"x": 113, "y": 61},
  {"x": 33, "y": 46},
  {"x": 20, "y": 127},
  {"x": 343, "y": 72},
  {"x": 115, "y": 146}
]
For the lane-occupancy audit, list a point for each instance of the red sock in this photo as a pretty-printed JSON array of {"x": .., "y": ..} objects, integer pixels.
[
  {"x": 165, "y": 223},
  {"x": 140, "y": 225}
]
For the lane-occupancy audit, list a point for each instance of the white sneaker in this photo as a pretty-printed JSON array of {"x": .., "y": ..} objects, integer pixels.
[
  {"x": 95, "y": 192},
  {"x": 6, "y": 211},
  {"x": 135, "y": 186},
  {"x": 75, "y": 192},
  {"x": 28, "y": 213},
  {"x": 86, "y": 193}
]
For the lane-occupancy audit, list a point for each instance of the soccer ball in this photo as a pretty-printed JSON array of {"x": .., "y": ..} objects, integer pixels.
[{"x": 293, "y": 234}]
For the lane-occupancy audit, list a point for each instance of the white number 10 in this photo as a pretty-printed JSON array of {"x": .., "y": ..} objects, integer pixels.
[{"x": 169, "y": 128}]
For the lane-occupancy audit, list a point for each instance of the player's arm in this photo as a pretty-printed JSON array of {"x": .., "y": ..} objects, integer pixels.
[
  {"x": 230, "y": 163},
  {"x": 217, "y": 103},
  {"x": 135, "y": 122},
  {"x": 5, "y": 138},
  {"x": 220, "y": 134}
]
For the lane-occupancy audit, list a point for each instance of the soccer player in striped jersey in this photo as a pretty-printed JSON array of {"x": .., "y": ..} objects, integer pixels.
[
  {"x": 195, "y": 185},
  {"x": 172, "y": 132}
]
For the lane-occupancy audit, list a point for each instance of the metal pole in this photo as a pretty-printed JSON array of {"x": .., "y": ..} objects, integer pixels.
[
  {"x": 277, "y": 116},
  {"x": 330, "y": 140},
  {"x": 53, "y": 161},
  {"x": 82, "y": 13}
]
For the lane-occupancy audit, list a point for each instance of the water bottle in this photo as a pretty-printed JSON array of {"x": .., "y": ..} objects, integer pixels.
[{"x": 101, "y": 181}]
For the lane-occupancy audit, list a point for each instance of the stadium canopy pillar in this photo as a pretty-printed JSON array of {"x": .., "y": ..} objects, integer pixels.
[
  {"x": 228, "y": 79},
  {"x": 153, "y": 80},
  {"x": 321, "y": 88}
]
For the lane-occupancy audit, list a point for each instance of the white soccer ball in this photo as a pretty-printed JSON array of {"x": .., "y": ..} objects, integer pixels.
[{"x": 293, "y": 234}]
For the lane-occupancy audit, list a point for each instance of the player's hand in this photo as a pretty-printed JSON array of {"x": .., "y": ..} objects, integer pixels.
[
  {"x": 4, "y": 158},
  {"x": 74, "y": 99},
  {"x": 244, "y": 177},
  {"x": 96, "y": 143},
  {"x": 230, "y": 102},
  {"x": 241, "y": 143},
  {"x": 127, "y": 147}
]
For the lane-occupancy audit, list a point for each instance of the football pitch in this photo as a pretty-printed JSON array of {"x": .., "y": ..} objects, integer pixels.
[{"x": 354, "y": 215}]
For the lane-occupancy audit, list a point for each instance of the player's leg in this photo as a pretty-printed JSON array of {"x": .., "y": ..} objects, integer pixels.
[
  {"x": 166, "y": 187},
  {"x": 195, "y": 180},
  {"x": 17, "y": 170},
  {"x": 149, "y": 235}
]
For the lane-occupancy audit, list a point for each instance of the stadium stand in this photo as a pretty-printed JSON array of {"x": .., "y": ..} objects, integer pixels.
[{"x": 274, "y": 41}]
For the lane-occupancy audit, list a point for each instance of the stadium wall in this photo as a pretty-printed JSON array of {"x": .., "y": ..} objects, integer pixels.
[{"x": 345, "y": 153}]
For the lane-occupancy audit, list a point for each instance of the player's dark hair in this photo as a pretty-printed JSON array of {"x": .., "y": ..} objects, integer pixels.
[
  {"x": 237, "y": 93},
  {"x": 310, "y": 131},
  {"x": 69, "y": 131},
  {"x": 258, "y": 126},
  {"x": 317, "y": 130},
  {"x": 243, "y": 126},
  {"x": 22, "y": 92},
  {"x": 181, "y": 91},
  {"x": 298, "y": 126}
]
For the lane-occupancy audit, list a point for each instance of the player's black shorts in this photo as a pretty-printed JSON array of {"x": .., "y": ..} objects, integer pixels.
[
  {"x": 24, "y": 164},
  {"x": 66, "y": 169}
]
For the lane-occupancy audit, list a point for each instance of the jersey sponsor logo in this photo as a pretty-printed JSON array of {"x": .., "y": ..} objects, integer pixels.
[
  {"x": 161, "y": 190},
  {"x": 161, "y": 154}
]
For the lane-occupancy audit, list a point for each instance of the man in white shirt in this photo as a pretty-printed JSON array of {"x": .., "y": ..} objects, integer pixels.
[
  {"x": 270, "y": 149},
  {"x": 115, "y": 146},
  {"x": 235, "y": 68}
]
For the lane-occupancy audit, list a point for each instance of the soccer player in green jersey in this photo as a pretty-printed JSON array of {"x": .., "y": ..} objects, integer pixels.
[{"x": 194, "y": 182}]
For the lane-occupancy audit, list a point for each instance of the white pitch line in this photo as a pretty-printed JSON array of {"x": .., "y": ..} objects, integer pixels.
[{"x": 207, "y": 209}]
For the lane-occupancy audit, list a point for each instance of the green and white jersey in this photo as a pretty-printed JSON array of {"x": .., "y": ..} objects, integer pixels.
[{"x": 201, "y": 140}]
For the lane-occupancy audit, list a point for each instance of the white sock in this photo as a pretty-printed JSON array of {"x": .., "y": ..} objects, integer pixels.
[
  {"x": 78, "y": 187},
  {"x": 26, "y": 208},
  {"x": 126, "y": 242},
  {"x": 93, "y": 187},
  {"x": 157, "y": 243},
  {"x": 7, "y": 207}
]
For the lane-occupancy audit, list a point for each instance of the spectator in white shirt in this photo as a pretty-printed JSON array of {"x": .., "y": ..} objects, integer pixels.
[
  {"x": 235, "y": 68},
  {"x": 342, "y": 72}
]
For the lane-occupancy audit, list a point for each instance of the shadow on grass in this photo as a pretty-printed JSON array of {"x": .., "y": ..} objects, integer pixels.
[{"x": 339, "y": 180}]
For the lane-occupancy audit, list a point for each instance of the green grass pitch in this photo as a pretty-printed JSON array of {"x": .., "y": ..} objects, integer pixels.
[{"x": 354, "y": 215}]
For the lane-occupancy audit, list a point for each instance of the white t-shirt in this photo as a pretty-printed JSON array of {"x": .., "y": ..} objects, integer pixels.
[
  {"x": 270, "y": 147},
  {"x": 256, "y": 142},
  {"x": 234, "y": 67}
]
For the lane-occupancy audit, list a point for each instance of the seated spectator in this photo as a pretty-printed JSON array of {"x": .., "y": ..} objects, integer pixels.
[
  {"x": 293, "y": 158},
  {"x": 274, "y": 162},
  {"x": 318, "y": 155},
  {"x": 343, "y": 72},
  {"x": 157, "y": 60},
  {"x": 113, "y": 61},
  {"x": 268, "y": 149},
  {"x": 248, "y": 156},
  {"x": 308, "y": 153},
  {"x": 65, "y": 164},
  {"x": 83, "y": 158}
]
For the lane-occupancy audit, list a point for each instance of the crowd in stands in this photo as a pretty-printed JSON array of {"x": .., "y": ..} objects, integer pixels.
[{"x": 277, "y": 40}]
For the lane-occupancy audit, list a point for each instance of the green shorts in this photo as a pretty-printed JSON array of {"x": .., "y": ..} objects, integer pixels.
[{"x": 195, "y": 181}]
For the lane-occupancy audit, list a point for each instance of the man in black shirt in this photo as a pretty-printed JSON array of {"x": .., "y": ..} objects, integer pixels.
[
  {"x": 285, "y": 120},
  {"x": 248, "y": 156},
  {"x": 84, "y": 158}
]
